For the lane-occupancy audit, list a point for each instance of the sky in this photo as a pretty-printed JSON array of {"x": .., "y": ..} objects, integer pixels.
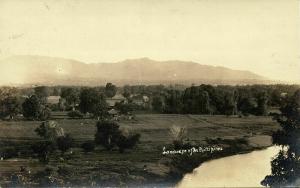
[{"x": 262, "y": 36}]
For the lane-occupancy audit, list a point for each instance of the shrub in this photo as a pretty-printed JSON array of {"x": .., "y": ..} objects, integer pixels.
[
  {"x": 64, "y": 143},
  {"x": 127, "y": 142},
  {"x": 9, "y": 152},
  {"x": 49, "y": 130},
  {"x": 178, "y": 133},
  {"x": 107, "y": 133},
  {"x": 88, "y": 146},
  {"x": 45, "y": 113},
  {"x": 75, "y": 114},
  {"x": 43, "y": 150}
]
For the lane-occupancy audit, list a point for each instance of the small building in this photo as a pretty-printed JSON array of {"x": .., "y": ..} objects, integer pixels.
[
  {"x": 115, "y": 99},
  {"x": 283, "y": 95},
  {"x": 53, "y": 99},
  {"x": 114, "y": 114},
  {"x": 140, "y": 100}
]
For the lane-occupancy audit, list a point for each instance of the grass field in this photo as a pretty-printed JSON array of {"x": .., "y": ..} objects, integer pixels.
[{"x": 129, "y": 167}]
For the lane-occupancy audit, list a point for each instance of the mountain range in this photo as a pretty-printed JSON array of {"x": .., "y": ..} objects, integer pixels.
[{"x": 41, "y": 70}]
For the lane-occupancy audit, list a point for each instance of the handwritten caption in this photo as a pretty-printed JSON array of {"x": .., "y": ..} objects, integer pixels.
[{"x": 192, "y": 150}]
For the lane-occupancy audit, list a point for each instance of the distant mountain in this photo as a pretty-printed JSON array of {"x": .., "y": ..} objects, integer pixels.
[{"x": 60, "y": 71}]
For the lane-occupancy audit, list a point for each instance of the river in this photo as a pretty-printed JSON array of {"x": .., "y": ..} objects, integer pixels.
[{"x": 243, "y": 170}]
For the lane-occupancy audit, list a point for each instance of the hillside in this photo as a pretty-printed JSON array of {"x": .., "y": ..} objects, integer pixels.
[{"x": 59, "y": 71}]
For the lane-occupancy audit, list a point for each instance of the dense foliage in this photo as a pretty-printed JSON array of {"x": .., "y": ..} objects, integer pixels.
[
  {"x": 109, "y": 135},
  {"x": 92, "y": 101},
  {"x": 286, "y": 165}
]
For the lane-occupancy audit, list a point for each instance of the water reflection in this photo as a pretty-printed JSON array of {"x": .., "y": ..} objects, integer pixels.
[{"x": 245, "y": 170}]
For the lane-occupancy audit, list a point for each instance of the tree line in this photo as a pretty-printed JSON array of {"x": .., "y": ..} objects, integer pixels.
[
  {"x": 202, "y": 99},
  {"x": 224, "y": 100}
]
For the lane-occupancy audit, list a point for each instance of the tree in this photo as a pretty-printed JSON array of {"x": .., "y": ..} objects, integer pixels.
[
  {"x": 93, "y": 102},
  {"x": 49, "y": 130},
  {"x": 56, "y": 91},
  {"x": 44, "y": 113},
  {"x": 31, "y": 107},
  {"x": 229, "y": 104},
  {"x": 107, "y": 133},
  {"x": 42, "y": 92},
  {"x": 88, "y": 146},
  {"x": 43, "y": 149},
  {"x": 126, "y": 94},
  {"x": 125, "y": 108},
  {"x": 275, "y": 98},
  {"x": 34, "y": 109},
  {"x": 286, "y": 166},
  {"x": 71, "y": 95},
  {"x": 126, "y": 91},
  {"x": 196, "y": 100},
  {"x": 262, "y": 104},
  {"x": 247, "y": 105},
  {"x": 157, "y": 104},
  {"x": 127, "y": 142},
  {"x": 9, "y": 106},
  {"x": 173, "y": 102},
  {"x": 64, "y": 143},
  {"x": 204, "y": 103},
  {"x": 110, "y": 90}
]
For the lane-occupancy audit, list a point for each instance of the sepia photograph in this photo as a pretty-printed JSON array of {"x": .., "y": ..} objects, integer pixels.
[{"x": 150, "y": 93}]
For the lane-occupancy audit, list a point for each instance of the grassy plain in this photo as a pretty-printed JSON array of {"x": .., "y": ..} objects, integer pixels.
[{"x": 143, "y": 164}]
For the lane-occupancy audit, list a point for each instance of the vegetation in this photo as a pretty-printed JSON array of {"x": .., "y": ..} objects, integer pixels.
[
  {"x": 71, "y": 95},
  {"x": 110, "y": 90},
  {"x": 93, "y": 102},
  {"x": 49, "y": 130},
  {"x": 64, "y": 143},
  {"x": 9, "y": 106},
  {"x": 107, "y": 133},
  {"x": 75, "y": 114},
  {"x": 43, "y": 149},
  {"x": 195, "y": 115},
  {"x": 111, "y": 168},
  {"x": 286, "y": 166},
  {"x": 178, "y": 134},
  {"x": 42, "y": 92},
  {"x": 88, "y": 146},
  {"x": 31, "y": 107},
  {"x": 127, "y": 141}
]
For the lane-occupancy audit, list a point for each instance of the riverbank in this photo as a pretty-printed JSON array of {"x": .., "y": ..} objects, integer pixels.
[
  {"x": 185, "y": 164},
  {"x": 242, "y": 170},
  {"x": 143, "y": 165}
]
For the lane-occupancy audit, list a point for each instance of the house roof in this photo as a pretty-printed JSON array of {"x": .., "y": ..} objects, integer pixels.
[
  {"x": 113, "y": 112},
  {"x": 53, "y": 99},
  {"x": 118, "y": 97}
]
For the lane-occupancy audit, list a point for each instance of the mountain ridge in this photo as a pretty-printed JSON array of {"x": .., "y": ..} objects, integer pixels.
[{"x": 45, "y": 70}]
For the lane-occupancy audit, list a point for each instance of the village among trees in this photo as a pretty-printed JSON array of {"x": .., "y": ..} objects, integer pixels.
[{"x": 109, "y": 104}]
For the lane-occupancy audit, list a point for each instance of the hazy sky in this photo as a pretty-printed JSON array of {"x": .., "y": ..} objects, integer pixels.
[{"x": 262, "y": 36}]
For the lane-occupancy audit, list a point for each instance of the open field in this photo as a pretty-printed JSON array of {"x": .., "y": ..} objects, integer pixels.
[{"x": 129, "y": 167}]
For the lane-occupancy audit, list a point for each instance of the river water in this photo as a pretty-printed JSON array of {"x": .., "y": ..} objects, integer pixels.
[{"x": 243, "y": 170}]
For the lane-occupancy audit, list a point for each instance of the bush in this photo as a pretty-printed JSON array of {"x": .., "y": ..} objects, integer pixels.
[
  {"x": 9, "y": 152},
  {"x": 127, "y": 142},
  {"x": 107, "y": 133},
  {"x": 45, "y": 113},
  {"x": 43, "y": 149},
  {"x": 75, "y": 114},
  {"x": 64, "y": 143},
  {"x": 88, "y": 146}
]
